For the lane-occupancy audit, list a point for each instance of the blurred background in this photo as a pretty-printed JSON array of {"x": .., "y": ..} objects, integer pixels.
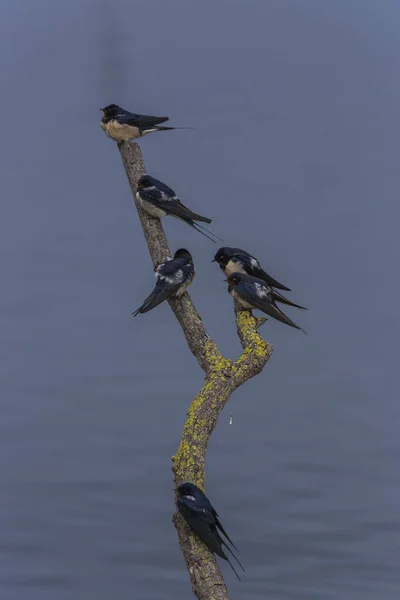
[{"x": 295, "y": 157}]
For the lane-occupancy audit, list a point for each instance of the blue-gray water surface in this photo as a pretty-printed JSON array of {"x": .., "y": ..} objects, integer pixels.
[{"x": 295, "y": 156}]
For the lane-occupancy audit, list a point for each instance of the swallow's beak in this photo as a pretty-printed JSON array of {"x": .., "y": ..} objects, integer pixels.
[
  {"x": 214, "y": 260},
  {"x": 227, "y": 280}
]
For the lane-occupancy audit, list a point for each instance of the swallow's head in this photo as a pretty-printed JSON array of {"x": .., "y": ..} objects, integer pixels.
[
  {"x": 223, "y": 256},
  {"x": 185, "y": 254},
  {"x": 189, "y": 489},
  {"x": 146, "y": 181},
  {"x": 235, "y": 278},
  {"x": 111, "y": 110}
]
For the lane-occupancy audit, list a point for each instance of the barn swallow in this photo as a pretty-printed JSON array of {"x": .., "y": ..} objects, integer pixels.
[
  {"x": 198, "y": 513},
  {"x": 122, "y": 125},
  {"x": 159, "y": 200},
  {"x": 173, "y": 278},
  {"x": 235, "y": 260},
  {"x": 253, "y": 293}
]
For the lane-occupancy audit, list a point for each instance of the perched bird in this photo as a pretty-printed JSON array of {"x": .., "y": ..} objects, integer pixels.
[
  {"x": 159, "y": 200},
  {"x": 198, "y": 513},
  {"x": 252, "y": 293},
  {"x": 235, "y": 260},
  {"x": 173, "y": 278},
  {"x": 122, "y": 125}
]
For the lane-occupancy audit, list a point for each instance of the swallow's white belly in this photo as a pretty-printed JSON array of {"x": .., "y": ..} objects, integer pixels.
[
  {"x": 152, "y": 210},
  {"x": 120, "y": 133},
  {"x": 241, "y": 302}
]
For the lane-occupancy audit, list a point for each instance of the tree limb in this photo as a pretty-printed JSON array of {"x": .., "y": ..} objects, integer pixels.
[{"x": 223, "y": 376}]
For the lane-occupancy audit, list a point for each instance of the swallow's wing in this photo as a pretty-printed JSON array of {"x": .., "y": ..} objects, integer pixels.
[
  {"x": 135, "y": 120},
  {"x": 260, "y": 296},
  {"x": 180, "y": 211},
  {"x": 254, "y": 268},
  {"x": 219, "y": 525},
  {"x": 173, "y": 207},
  {"x": 169, "y": 280},
  {"x": 211, "y": 514},
  {"x": 158, "y": 198},
  {"x": 164, "y": 188},
  {"x": 188, "y": 273},
  {"x": 165, "y": 198},
  {"x": 281, "y": 298},
  {"x": 176, "y": 272},
  {"x": 202, "y": 521},
  {"x": 171, "y": 204},
  {"x": 192, "y": 221},
  {"x": 222, "y": 530},
  {"x": 270, "y": 280},
  {"x": 160, "y": 293},
  {"x": 186, "y": 213}
]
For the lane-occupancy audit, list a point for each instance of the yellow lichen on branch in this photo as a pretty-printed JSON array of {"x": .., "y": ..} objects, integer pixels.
[{"x": 224, "y": 376}]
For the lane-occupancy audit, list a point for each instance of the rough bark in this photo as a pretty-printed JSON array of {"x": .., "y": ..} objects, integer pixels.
[{"x": 222, "y": 377}]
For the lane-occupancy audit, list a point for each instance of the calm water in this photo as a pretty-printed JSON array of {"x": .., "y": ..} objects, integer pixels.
[{"x": 295, "y": 157}]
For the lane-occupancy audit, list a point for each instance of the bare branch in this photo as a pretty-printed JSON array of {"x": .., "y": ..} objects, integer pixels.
[{"x": 222, "y": 377}]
